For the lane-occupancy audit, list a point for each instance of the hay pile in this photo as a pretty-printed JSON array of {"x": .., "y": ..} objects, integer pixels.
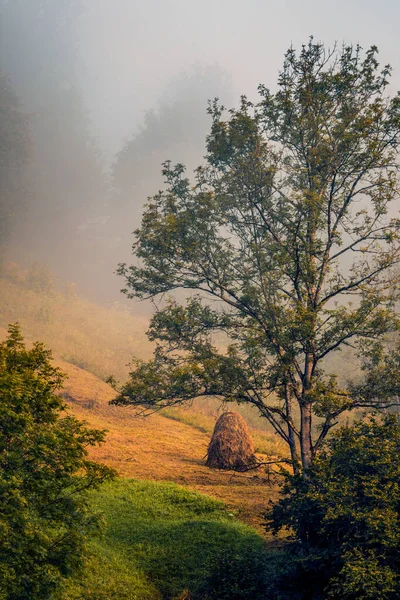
[{"x": 231, "y": 445}]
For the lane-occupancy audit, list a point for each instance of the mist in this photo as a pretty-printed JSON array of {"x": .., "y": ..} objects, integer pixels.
[{"x": 95, "y": 95}]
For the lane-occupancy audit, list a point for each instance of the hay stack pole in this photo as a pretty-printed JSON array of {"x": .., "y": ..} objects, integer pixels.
[{"x": 231, "y": 445}]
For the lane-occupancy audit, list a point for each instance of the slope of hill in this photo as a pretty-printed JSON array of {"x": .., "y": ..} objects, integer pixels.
[
  {"x": 162, "y": 541},
  {"x": 100, "y": 339},
  {"x": 161, "y": 449},
  {"x": 90, "y": 342},
  {"x": 165, "y": 542}
]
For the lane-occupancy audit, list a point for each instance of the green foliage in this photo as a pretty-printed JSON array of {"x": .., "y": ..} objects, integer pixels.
[
  {"x": 381, "y": 367},
  {"x": 168, "y": 539},
  {"x": 237, "y": 576},
  {"x": 344, "y": 514},
  {"x": 108, "y": 573},
  {"x": 285, "y": 243},
  {"x": 44, "y": 474}
]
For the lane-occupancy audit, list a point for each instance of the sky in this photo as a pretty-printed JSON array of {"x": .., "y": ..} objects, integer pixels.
[
  {"x": 87, "y": 71},
  {"x": 131, "y": 49}
]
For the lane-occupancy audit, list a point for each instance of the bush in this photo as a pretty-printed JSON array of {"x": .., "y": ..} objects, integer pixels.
[
  {"x": 44, "y": 475},
  {"x": 344, "y": 513},
  {"x": 237, "y": 576}
]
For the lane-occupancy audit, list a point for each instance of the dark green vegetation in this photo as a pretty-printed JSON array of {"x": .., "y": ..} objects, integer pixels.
[
  {"x": 44, "y": 475},
  {"x": 345, "y": 517},
  {"x": 287, "y": 230},
  {"x": 162, "y": 540},
  {"x": 382, "y": 374}
]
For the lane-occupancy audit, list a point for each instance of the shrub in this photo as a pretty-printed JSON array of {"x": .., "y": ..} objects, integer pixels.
[
  {"x": 344, "y": 513},
  {"x": 44, "y": 475},
  {"x": 239, "y": 575}
]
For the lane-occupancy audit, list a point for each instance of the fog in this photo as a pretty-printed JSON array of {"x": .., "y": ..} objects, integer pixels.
[{"x": 101, "y": 92}]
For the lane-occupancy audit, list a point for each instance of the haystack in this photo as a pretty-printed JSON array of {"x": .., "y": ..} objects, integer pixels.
[{"x": 231, "y": 445}]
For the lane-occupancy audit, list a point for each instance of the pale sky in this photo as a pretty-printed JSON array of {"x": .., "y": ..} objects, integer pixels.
[{"x": 132, "y": 48}]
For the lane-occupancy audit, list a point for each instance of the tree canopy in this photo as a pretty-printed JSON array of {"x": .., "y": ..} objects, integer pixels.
[
  {"x": 44, "y": 475},
  {"x": 344, "y": 517},
  {"x": 285, "y": 242}
]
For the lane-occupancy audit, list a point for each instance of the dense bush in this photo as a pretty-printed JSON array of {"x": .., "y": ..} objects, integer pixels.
[
  {"x": 237, "y": 576},
  {"x": 344, "y": 513},
  {"x": 44, "y": 475}
]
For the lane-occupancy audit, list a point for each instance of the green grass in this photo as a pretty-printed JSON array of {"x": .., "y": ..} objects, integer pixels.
[
  {"x": 107, "y": 576},
  {"x": 160, "y": 541}
]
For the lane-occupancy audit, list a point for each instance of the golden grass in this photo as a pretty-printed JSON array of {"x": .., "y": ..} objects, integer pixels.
[
  {"x": 202, "y": 414},
  {"x": 99, "y": 339},
  {"x": 160, "y": 449},
  {"x": 91, "y": 342}
]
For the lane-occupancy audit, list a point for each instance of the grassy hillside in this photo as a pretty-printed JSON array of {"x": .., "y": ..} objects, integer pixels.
[
  {"x": 99, "y": 339},
  {"x": 203, "y": 412},
  {"x": 162, "y": 542},
  {"x": 90, "y": 342},
  {"x": 161, "y": 449}
]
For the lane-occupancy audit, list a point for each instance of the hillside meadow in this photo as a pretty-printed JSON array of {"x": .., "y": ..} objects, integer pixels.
[
  {"x": 101, "y": 340},
  {"x": 162, "y": 541},
  {"x": 173, "y": 528},
  {"x": 171, "y": 525},
  {"x": 159, "y": 448}
]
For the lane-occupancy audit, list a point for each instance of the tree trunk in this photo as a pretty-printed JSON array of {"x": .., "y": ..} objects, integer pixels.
[
  {"x": 291, "y": 434},
  {"x": 305, "y": 436},
  {"x": 293, "y": 452}
]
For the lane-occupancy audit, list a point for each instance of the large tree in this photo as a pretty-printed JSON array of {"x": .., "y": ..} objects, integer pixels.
[{"x": 286, "y": 242}]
